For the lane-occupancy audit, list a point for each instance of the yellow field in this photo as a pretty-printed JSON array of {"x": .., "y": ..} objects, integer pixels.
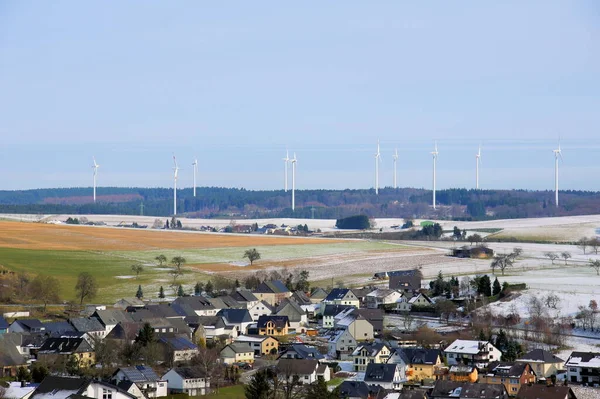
[{"x": 89, "y": 238}]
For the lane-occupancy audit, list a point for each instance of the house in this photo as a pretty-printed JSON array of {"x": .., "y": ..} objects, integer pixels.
[
  {"x": 214, "y": 328},
  {"x": 318, "y": 295},
  {"x": 421, "y": 363},
  {"x": 273, "y": 325},
  {"x": 467, "y": 390},
  {"x": 178, "y": 349},
  {"x": 308, "y": 370},
  {"x": 410, "y": 394},
  {"x": 260, "y": 344},
  {"x": 583, "y": 367},
  {"x": 238, "y": 318},
  {"x": 472, "y": 353},
  {"x": 90, "y": 326},
  {"x": 272, "y": 292},
  {"x": 361, "y": 294},
  {"x": 301, "y": 351},
  {"x": 27, "y": 325},
  {"x": 511, "y": 375},
  {"x": 57, "y": 328},
  {"x": 245, "y": 298},
  {"x": 3, "y": 325},
  {"x": 187, "y": 380},
  {"x": 126, "y": 303},
  {"x": 373, "y": 316},
  {"x": 260, "y": 308},
  {"x": 341, "y": 344},
  {"x": 296, "y": 315},
  {"x": 462, "y": 373},
  {"x": 388, "y": 376},
  {"x": 342, "y": 296},
  {"x": 542, "y": 391},
  {"x": 199, "y": 305},
  {"x": 109, "y": 318},
  {"x": 76, "y": 387},
  {"x": 357, "y": 325},
  {"x": 10, "y": 357},
  {"x": 124, "y": 332},
  {"x": 382, "y": 297},
  {"x": 420, "y": 300},
  {"x": 148, "y": 383},
  {"x": 164, "y": 310},
  {"x": 544, "y": 363},
  {"x": 370, "y": 353},
  {"x": 408, "y": 281},
  {"x": 301, "y": 298},
  {"x": 60, "y": 349},
  {"x": 350, "y": 389},
  {"x": 331, "y": 311},
  {"x": 237, "y": 353},
  {"x": 480, "y": 251},
  {"x": 19, "y": 390}
]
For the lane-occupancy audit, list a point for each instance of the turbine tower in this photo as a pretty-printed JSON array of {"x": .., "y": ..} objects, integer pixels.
[
  {"x": 435, "y": 155},
  {"x": 294, "y": 161},
  {"x": 286, "y": 161},
  {"x": 478, "y": 162},
  {"x": 395, "y": 161},
  {"x": 557, "y": 153},
  {"x": 175, "y": 169},
  {"x": 377, "y": 160},
  {"x": 195, "y": 165},
  {"x": 95, "y": 167}
]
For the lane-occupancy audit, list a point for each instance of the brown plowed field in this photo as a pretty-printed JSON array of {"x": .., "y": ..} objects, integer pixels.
[{"x": 62, "y": 237}]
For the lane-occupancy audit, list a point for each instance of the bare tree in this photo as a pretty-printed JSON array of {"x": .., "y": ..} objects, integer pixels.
[
  {"x": 596, "y": 265},
  {"x": 407, "y": 320},
  {"x": 551, "y": 255},
  {"x": 595, "y": 244},
  {"x": 536, "y": 307},
  {"x": 552, "y": 301},
  {"x": 137, "y": 269},
  {"x": 583, "y": 244},
  {"x": 45, "y": 289},
  {"x": 565, "y": 255},
  {"x": 86, "y": 287},
  {"x": 503, "y": 261},
  {"x": 161, "y": 259},
  {"x": 518, "y": 251}
]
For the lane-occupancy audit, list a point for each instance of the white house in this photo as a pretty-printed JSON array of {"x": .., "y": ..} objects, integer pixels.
[
  {"x": 472, "y": 353},
  {"x": 583, "y": 367},
  {"x": 187, "y": 380},
  {"x": 386, "y": 375},
  {"x": 63, "y": 387},
  {"x": 309, "y": 370},
  {"x": 150, "y": 385},
  {"x": 381, "y": 297},
  {"x": 260, "y": 309},
  {"x": 341, "y": 344}
]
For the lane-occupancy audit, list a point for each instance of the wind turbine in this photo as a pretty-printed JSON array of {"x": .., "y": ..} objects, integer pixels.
[
  {"x": 294, "y": 161},
  {"x": 175, "y": 169},
  {"x": 435, "y": 155},
  {"x": 95, "y": 167},
  {"x": 195, "y": 165},
  {"x": 286, "y": 160},
  {"x": 395, "y": 161},
  {"x": 478, "y": 162},
  {"x": 377, "y": 160},
  {"x": 557, "y": 153}
]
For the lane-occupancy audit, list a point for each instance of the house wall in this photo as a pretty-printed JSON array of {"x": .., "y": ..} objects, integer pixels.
[{"x": 100, "y": 391}]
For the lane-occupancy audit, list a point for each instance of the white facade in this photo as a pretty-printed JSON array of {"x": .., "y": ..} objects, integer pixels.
[
  {"x": 259, "y": 309},
  {"x": 98, "y": 390},
  {"x": 472, "y": 353},
  {"x": 149, "y": 389},
  {"x": 191, "y": 386}
]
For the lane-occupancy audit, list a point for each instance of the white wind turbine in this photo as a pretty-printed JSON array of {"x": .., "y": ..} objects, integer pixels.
[
  {"x": 294, "y": 161},
  {"x": 435, "y": 155},
  {"x": 286, "y": 161},
  {"x": 478, "y": 163},
  {"x": 377, "y": 161},
  {"x": 176, "y": 170},
  {"x": 395, "y": 162},
  {"x": 557, "y": 153},
  {"x": 95, "y": 166},
  {"x": 195, "y": 165}
]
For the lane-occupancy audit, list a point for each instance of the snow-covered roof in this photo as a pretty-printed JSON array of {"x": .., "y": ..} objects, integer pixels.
[
  {"x": 584, "y": 359},
  {"x": 467, "y": 346}
]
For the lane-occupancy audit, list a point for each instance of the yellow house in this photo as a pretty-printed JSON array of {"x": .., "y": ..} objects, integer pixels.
[
  {"x": 260, "y": 344},
  {"x": 511, "y": 375},
  {"x": 370, "y": 353},
  {"x": 272, "y": 292},
  {"x": 543, "y": 363},
  {"x": 273, "y": 325},
  {"x": 62, "y": 350},
  {"x": 237, "y": 353},
  {"x": 462, "y": 373},
  {"x": 421, "y": 364}
]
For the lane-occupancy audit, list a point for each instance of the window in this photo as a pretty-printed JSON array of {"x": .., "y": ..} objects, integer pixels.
[
  {"x": 573, "y": 370},
  {"x": 514, "y": 381},
  {"x": 106, "y": 394}
]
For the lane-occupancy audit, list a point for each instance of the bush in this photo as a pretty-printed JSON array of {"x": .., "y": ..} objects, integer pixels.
[{"x": 357, "y": 222}]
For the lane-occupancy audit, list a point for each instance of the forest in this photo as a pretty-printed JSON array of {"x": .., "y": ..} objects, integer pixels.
[{"x": 218, "y": 202}]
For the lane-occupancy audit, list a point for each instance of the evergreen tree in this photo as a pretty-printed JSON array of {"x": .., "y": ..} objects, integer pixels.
[
  {"x": 209, "y": 287},
  {"x": 258, "y": 387},
  {"x": 38, "y": 372},
  {"x": 139, "y": 294},
  {"x": 23, "y": 375},
  {"x": 72, "y": 366},
  {"x": 198, "y": 288},
  {"x": 180, "y": 291},
  {"x": 482, "y": 336},
  {"x": 161, "y": 292},
  {"x": 484, "y": 285},
  {"x": 237, "y": 283},
  {"x": 319, "y": 390},
  {"x": 146, "y": 335},
  {"x": 501, "y": 341},
  {"x": 496, "y": 288}
]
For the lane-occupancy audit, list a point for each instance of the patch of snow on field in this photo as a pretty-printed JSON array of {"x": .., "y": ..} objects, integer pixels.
[
  {"x": 569, "y": 302},
  {"x": 124, "y": 277}
]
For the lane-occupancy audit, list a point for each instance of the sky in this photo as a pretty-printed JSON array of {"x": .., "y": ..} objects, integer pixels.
[{"x": 236, "y": 83}]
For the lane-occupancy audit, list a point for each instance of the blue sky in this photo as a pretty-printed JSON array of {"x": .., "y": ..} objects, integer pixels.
[{"x": 235, "y": 84}]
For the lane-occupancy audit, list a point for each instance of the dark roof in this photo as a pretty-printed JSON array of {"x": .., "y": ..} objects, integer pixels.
[
  {"x": 9, "y": 355},
  {"x": 53, "y": 383},
  {"x": 189, "y": 372},
  {"x": 333, "y": 310},
  {"x": 240, "y": 347},
  {"x": 453, "y": 389},
  {"x": 183, "y": 309},
  {"x": 319, "y": 293},
  {"x": 301, "y": 298},
  {"x": 361, "y": 293},
  {"x": 271, "y": 287},
  {"x": 303, "y": 351},
  {"x": 540, "y": 391},
  {"x": 214, "y": 321},
  {"x": 162, "y": 310},
  {"x": 540, "y": 355},
  {"x": 138, "y": 374},
  {"x": 232, "y": 302},
  {"x": 412, "y": 394},
  {"x": 296, "y": 366},
  {"x": 125, "y": 331},
  {"x": 290, "y": 309},
  {"x": 235, "y": 316},
  {"x": 111, "y": 316},
  {"x": 507, "y": 369},
  {"x": 65, "y": 345},
  {"x": 419, "y": 355},
  {"x": 58, "y": 327},
  {"x": 373, "y": 316},
  {"x": 405, "y": 282},
  {"x": 357, "y": 389},
  {"x": 177, "y": 343},
  {"x": 244, "y": 296},
  {"x": 194, "y": 302},
  {"x": 29, "y": 324},
  {"x": 380, "y": 372},
  {"x": 337, "y": 294},
  {"x": 86, "y": 324},
  {"x": 372, "y": 348},
  {"x": 3, "y": 323},
  {"x": 280, "y": 321}
]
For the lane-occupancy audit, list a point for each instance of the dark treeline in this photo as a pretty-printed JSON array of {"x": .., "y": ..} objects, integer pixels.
[{"x": 216, "y": 202}]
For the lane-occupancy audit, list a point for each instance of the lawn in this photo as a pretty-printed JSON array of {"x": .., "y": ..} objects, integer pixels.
[{"x": 232, "y": 392}]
